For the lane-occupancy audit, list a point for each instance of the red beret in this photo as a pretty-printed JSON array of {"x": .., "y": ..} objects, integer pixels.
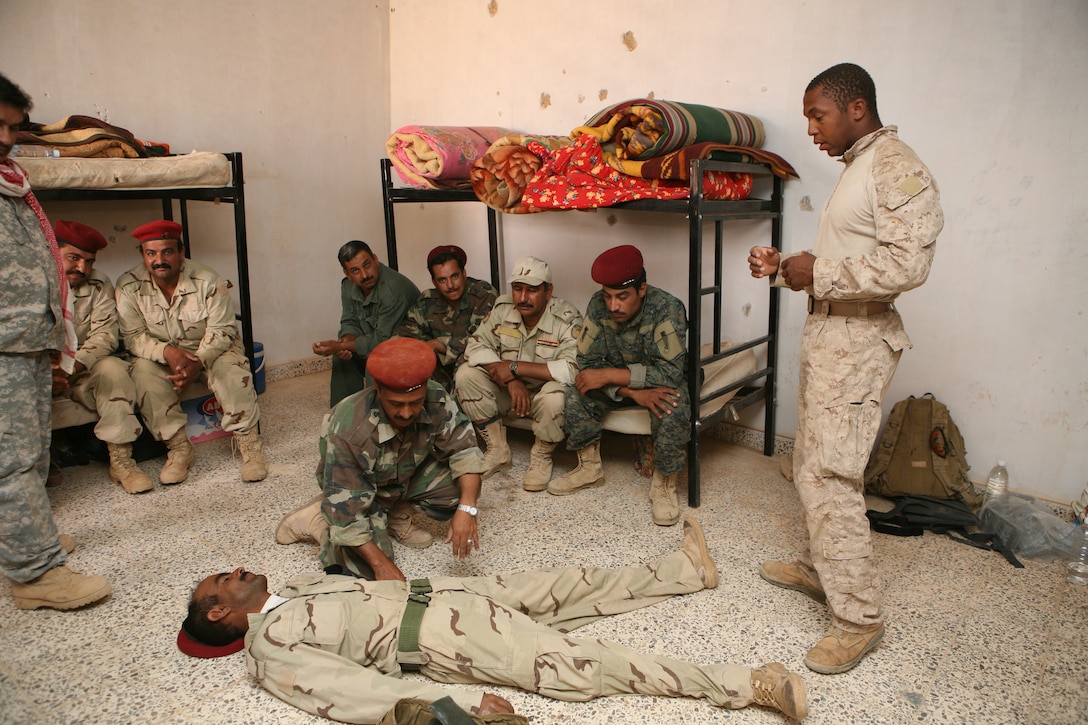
[
  {"x": 194, "y": 648},
  {"x": 153, "y": 231},
  {"x": 617, "y": 267},
  {"x": 79, "y": 235},
  {"x": 457, "y": 252},
  {"x": 402, "y": 364}
]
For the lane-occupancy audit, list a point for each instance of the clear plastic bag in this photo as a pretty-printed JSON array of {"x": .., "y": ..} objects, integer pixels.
[{"x": 1027, "y": 527}]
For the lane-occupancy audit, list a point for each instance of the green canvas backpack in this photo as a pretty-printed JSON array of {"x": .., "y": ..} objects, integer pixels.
[{"x": 921, "y": 453}]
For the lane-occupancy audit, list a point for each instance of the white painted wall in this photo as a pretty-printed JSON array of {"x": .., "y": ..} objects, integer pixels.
[{"x": 989, "y": 92}]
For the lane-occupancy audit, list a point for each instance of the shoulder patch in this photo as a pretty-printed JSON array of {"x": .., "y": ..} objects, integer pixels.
[
  {"x": 587, "y": 336},
  {"x": 911, "y": 185},
  {"x": 667, "y": 340}
]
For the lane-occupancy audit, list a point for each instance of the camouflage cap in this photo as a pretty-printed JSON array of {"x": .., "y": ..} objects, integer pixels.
[{"x": 531, "y": 271}]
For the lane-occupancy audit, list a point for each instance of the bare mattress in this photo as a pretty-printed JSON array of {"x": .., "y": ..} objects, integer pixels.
[{"x": 198, "y": 169}]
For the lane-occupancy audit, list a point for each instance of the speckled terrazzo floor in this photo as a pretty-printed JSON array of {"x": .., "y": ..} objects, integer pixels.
[{"x": 970, "y": 639}]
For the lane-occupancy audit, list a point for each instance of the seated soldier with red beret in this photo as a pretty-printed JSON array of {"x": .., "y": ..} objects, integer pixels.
[
  {"x": 100, "y": 381},
  {"x": 632, "y": 351},
  {"x": 400, "y": 444},
  {"x": 177, "y": 321}
]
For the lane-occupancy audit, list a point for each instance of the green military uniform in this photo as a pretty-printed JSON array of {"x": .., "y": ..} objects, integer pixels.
[
  {"x": 367, "y": 467},
  {"x": 433, "y": 318},
  {"x": 652, "y": 345},
  {"x": 331, "y": 648},
  {"x": 372, "y": 319},
  {"x": 30, "y": 326},
  {"x": 503, "y": 336},
  {"x": 200, "y": 320},
  {"x": 105, "y": 386}
]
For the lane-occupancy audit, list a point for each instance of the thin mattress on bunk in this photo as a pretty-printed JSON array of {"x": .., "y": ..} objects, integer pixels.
[{"x": 198, "y": 169}]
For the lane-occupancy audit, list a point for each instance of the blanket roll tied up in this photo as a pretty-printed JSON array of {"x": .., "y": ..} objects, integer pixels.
[{"x": 439, "y": 157}]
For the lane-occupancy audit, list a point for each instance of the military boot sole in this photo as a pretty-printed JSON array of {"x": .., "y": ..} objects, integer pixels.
[
  {"x": 845, "y": 666},
  {"x": 129, "y": 486},
  {"x": 666, "y": 520},
  {"x": 810, "y": 592},
  {"x": 558, "y": 490},
  {"x": 82, "y": 601}
]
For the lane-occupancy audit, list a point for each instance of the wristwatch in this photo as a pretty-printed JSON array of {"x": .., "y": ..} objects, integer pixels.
[
  {"x": 514, "y": 368},
  {"x": 470, "y": 510}
]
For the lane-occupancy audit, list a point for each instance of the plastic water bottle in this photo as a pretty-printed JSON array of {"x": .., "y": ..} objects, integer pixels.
[
  {"x": 1076, "y": 571},
  {"x": 25, "y": 151},
  {"x": 997, "y": 483}
]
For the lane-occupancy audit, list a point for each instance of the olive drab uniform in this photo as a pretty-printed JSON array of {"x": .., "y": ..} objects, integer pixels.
[
  {"x": 433, "y": 318},
  {"x": 503, "y": 336},
  {"x": 331, "y": 648},
  {"x": 105, "y": 386},
  {"x": 200, "y": 320},
  {"x": 367, "y": 466},
  {"x": 30, "y": 326},
  {"x": 876, "y": 239},
  {"x": 652, "y": 345}
]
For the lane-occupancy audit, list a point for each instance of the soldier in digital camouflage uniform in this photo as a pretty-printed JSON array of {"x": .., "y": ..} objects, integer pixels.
[
  {"x": 373, "y": 302},
  {"x": 100, "y": 381},
  {"x": 31, "y": 325},
  {"x": 444, "y": 317},
  {"x": 876, "y": 239},
  {"x": 329, "y": 644},
  {"x": 632, "y": 352},
  {"x": 521, "y": 360},
  {"x": 177, "y": 321},
  {"x": 400, "y": 444}
]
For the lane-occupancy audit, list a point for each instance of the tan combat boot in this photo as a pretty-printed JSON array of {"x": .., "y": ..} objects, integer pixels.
[
  {"x": 664, "y": 505},
  {"x": 60, "y": 588},
  {"x": 179, "y": 458},
  {"x": 404, "y": 529},
  {"x": 254, "y": 464},
  {"x": 694, "y": 546},
  {"x": 589, "y": 472},
  {"x": 497, "y": 455},
  {"x": 123, "y": 469},
  {"x": 303, "y": 524},
  {"x": 774, "y": 686},
  {"x": 792, "y": 576},
  {"x": 540, "y": 466},
  {"x": 840, "y": 650}
]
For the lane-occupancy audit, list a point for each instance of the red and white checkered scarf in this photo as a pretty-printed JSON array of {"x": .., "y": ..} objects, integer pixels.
[{"x": 15, "y": 182}]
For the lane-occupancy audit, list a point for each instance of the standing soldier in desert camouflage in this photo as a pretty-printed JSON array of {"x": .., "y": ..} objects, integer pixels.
[
  {"x": 876, "y": 239},
  {"x": 100, "y": 381},
  {"x": 444, "y": 317},
  {"x": 632, "y": 352},
  {"x": 177, "y": 321},
  {"x": 400, "y": 444}
]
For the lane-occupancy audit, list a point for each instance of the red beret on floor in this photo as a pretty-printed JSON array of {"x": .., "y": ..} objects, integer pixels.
[
  {"x": 193, "y": 648},
  {"x": 457, "y": 252},
  {"x": 79, "y": 235},
  {"x": 154, "y": 231},
  {"x": 401, "y": 364},
  {"x": 617, "y": 267}
]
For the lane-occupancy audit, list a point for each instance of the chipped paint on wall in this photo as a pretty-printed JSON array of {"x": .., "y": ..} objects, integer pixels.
[
  {"x": 545, "y": 100},
  {"x": 629, "y": 40},
  {"x": 492, "y": 8},
  {"x": 805, "y": 204},
  {"x": 602, "y": 94}
]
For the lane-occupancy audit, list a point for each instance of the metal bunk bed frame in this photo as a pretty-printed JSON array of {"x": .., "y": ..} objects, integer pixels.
[{"x": 754, "y": 388}]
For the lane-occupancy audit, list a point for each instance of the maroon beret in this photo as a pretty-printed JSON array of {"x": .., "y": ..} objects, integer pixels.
[
  {"x": 154, "y": 231},
  {"x": 457, "y": 252},
  {"x": 79, "y": 235},
  {"x": 195, "y": 648},
  {"x": 401, "y": 364},
  {"x": 617, "y": 267}
]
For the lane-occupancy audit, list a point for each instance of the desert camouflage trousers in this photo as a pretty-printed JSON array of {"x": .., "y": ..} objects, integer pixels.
[
  {"x": 29, "y": 546},
  {"x": 107, "y": 389},
  {"x": 846, "y": 365},
  {"x": 228, "y": 377},
  {"x": 585, "y": 414},
  {"x": 511, "y": 630},
  {"x": 482, "y": 399}
]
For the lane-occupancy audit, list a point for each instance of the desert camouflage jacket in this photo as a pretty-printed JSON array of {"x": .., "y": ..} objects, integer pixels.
[
  {"x": 554, "y": 340},
  {"x": 95, "y": 320}
]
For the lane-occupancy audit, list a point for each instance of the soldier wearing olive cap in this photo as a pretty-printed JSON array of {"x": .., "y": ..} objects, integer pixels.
[
  {"x": 397, "y": 445},
  {"x": 178, "y": 323},
  {"x": 100, "y": 381},
  {"x": 632, "y": 351}
]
